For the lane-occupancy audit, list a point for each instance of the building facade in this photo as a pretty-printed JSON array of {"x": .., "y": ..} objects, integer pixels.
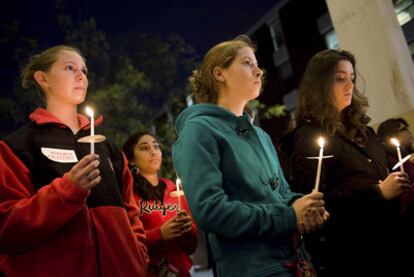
[{"x": 288, "y": 36}]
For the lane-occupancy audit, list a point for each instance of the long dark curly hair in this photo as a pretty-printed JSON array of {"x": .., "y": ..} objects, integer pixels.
[{"x": 316, "y": 102}]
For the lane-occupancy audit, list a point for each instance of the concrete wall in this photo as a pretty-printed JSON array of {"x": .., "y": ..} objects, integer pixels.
[{"x": 370, "y": 30}]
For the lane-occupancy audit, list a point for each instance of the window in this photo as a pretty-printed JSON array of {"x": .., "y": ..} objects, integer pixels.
[
  {"x": 326, "y": 30},
  {"x": 404, "y": 10},
  {"x": 331, "y": 40},
  {"x": 277, "y": 35}
]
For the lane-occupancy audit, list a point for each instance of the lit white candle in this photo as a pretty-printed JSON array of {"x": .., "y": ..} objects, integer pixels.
[
  {"x": 321, "y": 143},
  {"x": 178, "y": 184},
  {"x": 397, "y": 145},
  {"x": 89, "y": 111}
]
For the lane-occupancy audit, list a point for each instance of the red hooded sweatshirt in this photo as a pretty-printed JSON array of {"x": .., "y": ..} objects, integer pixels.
[{"x": 51, "y": 227}]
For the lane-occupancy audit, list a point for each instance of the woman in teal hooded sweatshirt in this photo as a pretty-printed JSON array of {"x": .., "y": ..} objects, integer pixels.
[{"x": 231, "y": 174}]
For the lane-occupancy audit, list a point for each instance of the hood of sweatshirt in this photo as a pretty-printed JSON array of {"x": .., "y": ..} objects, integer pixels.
[
  {"x": 239, "y": 123},
  {"x": 41, "y": 117}
]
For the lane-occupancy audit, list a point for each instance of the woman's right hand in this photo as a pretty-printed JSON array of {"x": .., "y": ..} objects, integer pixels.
[
  {"x": 310, "y": 212},
  {"x": 85, "y": 174},
  {"x": 394, "y": 185}
]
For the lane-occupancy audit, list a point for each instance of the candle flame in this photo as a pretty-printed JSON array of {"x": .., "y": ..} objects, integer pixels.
[
  {"x": 89, "y": 111},
  {"x": 321, "y": 142},
  {"x": 178, "y": 192},
  {"x": 395, "y": 142}
]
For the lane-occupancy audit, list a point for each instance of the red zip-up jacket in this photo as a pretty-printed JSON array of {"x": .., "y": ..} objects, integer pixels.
[
  {"x": 153, "y": 215},
  {"x": 51, "y": 227}
]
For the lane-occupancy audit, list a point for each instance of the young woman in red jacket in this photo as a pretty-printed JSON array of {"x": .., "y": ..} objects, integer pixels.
[
  {"x": 171, "y": 232},
  {"x": 63, "y": 210}
]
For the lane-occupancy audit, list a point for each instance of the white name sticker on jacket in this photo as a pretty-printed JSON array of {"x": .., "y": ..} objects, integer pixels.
[{"x": 60, "y": 155}]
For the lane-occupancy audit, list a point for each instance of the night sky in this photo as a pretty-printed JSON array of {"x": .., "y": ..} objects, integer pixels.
[{"x": 201, "y": 23}]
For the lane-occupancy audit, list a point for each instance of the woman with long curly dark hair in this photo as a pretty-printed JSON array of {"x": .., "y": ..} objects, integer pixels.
[{"x": 360, "y": 194}]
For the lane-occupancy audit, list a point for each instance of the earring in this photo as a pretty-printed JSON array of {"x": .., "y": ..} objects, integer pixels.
[{"x": 135, "y": 170}]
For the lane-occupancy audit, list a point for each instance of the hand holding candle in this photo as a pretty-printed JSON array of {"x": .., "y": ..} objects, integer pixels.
[{"x": 89, "y": 111}]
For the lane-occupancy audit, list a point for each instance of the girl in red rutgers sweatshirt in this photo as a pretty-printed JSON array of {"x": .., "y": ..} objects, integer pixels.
[{"x": 171, "y": 232}]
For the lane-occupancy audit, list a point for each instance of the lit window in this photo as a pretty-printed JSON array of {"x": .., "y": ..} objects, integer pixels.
[
  {"x": 404, "y": 10},
  {"x": 331, "y": 40}
]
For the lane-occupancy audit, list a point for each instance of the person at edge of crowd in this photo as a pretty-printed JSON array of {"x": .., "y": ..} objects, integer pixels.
[
  {"x": 400, "y": 129},
  {"x": 231, "y": 174},
  {"x": 170, "y": 230},
  {"x": 360, "y": 238},
  {"x": 63, "y": 210}
]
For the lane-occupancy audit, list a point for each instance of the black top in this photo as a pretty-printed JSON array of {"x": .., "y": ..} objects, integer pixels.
[
  {"x": 363, "y": 226},
  {"x": 28, "y": 141}
]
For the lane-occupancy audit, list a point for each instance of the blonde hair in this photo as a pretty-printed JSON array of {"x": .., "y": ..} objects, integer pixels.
[
  {"x": 203, "y": 82},
  {"x": 43, "y": 62}
]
